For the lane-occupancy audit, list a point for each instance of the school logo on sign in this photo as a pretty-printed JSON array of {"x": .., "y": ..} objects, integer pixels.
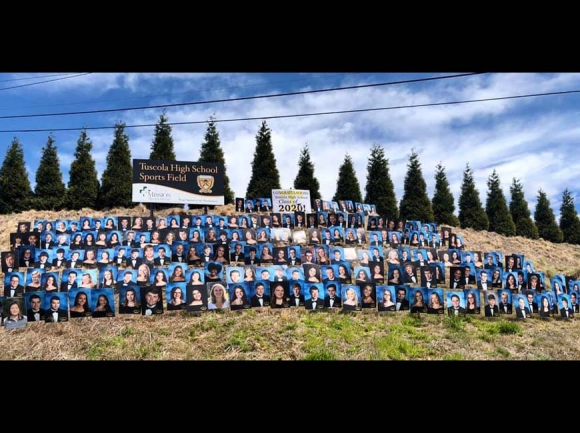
[{"x": 205, "y": 183}]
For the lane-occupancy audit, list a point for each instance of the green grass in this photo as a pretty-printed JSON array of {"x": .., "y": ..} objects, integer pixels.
[
  {"x": 508, "y": 328},
  {"x": 455, "y": 324}
]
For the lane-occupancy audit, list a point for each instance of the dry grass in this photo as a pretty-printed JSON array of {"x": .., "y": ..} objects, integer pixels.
[{"x": 298, "y": 334}]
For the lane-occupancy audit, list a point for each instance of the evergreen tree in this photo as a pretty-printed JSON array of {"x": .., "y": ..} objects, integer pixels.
[
  {"x": 162, "y": 145},
  {"x": 347, "y": 187},
  {"x": 117, "y": 179},
  {"x": 569, "y": 221},
  {"x": 50, "y": 190},
  {"x": 162, "y": 149},
  {"x": 520, "y": 212},
  {"x": 305, "y": 178},
  {"x": 415, "y": 204},
  {"x": 443, "y": 201},
  {"x": 471, "y": 212},
  {"x": 496, "y": 208},
  {"x": 83, "y": 184},
  {"x": 15, "y": 189},
  {"x": 380, "y": 190},
  {"x": 546, "y": 220},
  {"x": 265, "y": 175},
  {"x": 211, "y": 151}
]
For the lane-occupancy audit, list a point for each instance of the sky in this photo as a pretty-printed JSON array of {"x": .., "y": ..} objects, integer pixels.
[{"x": 529, "y": 138}]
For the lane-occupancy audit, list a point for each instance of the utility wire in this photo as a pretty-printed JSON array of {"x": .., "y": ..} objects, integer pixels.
[
  {"x": 324, "y": 113},
  {"x": 44, "y": 82},
  {"x": 34, "y": 78},
  {"x": 244, "y": 98},
  {"x": 101, "y": 101}
]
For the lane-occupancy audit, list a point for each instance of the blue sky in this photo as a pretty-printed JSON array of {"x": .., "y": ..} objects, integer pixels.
[{"x": 532, "y": 139}]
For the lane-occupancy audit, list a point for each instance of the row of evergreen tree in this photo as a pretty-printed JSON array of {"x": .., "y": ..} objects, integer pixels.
[{"x": 84, "y": 190}]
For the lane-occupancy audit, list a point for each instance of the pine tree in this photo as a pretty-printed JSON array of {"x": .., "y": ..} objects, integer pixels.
[
  {"x": 569, "y": 221},
  {"x": 162, "y": 145},
  {"x": 50, "y": 189},
  {"x": 471, "y": 212},
  {"x": 415, "y": 204},
  {"x": 117, "y": 179},
  {"x": 347, "y": 187},
  {"x": 546, "y": 220},
  {"x": 265, "y": 175},
  {"x": 211, "y": 151},
  {"x": 380, "y": 190},
  {"x": 15, "y": 189},
  {"x": 305, "y": 178},
  {"x": 520, "y": 212},
  {"x": 162, "y": 149},
  {"x": 443, "y": 201},
  {"x": 496, "y": 208},
  {"x": 83, "y": 184}
]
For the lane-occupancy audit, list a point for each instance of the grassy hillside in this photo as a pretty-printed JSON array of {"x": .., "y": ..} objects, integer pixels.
[{"x": 298, "y": 334}]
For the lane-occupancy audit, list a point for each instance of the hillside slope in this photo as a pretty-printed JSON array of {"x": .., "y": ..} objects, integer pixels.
[{"x": 291, "y": 334}]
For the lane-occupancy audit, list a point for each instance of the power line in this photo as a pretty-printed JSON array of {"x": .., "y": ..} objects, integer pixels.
[
  {"x": 218, "y": 89},
  {"x": 323, "y": 113},
  {"x": 243, "y": 98},
  {"x": 44, "y": 82},
  {"x": 34, "y": 77}
]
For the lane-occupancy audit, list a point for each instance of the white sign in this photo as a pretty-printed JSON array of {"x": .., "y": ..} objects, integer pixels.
[{"x": 290, "y": 200}]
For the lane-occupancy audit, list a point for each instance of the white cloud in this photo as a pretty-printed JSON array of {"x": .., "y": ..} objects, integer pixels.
[{"x": 527, "y": 138}]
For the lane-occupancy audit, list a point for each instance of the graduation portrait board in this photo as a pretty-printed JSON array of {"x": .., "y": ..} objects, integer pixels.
[{"x": 178, "y": 182}]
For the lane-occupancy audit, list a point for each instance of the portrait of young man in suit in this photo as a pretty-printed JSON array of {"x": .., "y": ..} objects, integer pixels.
[
  {"x": 55, "y": 312},
  {"x": 468, "y": 277},
  {"x": 237, "y": 255},
  {"x": 252, "y": 258},
  {"x": 179, "y": 255},
  {"x": 505, "y": 306},
  {"x": 162, "y": 259},
  {"x": 427, "y": 279},
  {"x": 43, "y": 262},
  {"x": 14, "y": 288},
  {"x": 8, "y": 261},
  {"x": 153, "y": 301},
  {"x": 566, "y": 312},
  {"x": 288, "y": 221},
  {"x": 120, "y": 259},
  {"x": 134, "y": 261},
  {"x": 522, "y": 310},
  {"x": 75, "y": 260},
  {"x": 410, "y": 274},
  {"x": 70, "y": 282},
  {"x": 531, "y": 301},
  {"x": 130, "y": 239},
  {"x": 457, "y": 282},
  {"x": 402, "y": 302},
  {"x": 293, "y": 258},
  {"x": 296, "y": 297},
  {"x": 483, "y": 281},
  {"x": 35, "y": 313},
  {"x": 376, "y": 256},
  {"x": 455, "y": 309},
  {"x": 314, "y": 302},
  {"x": 332, "y": 300},
  {"x": 491, "y": 308},
  {"x": 59, "y": 260},
  {"x": 280, "y": 274},
  {"x": 240, "y": 204},
  {"x": 127, "y": 279},
  {"x": 260, "y": 298}
]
